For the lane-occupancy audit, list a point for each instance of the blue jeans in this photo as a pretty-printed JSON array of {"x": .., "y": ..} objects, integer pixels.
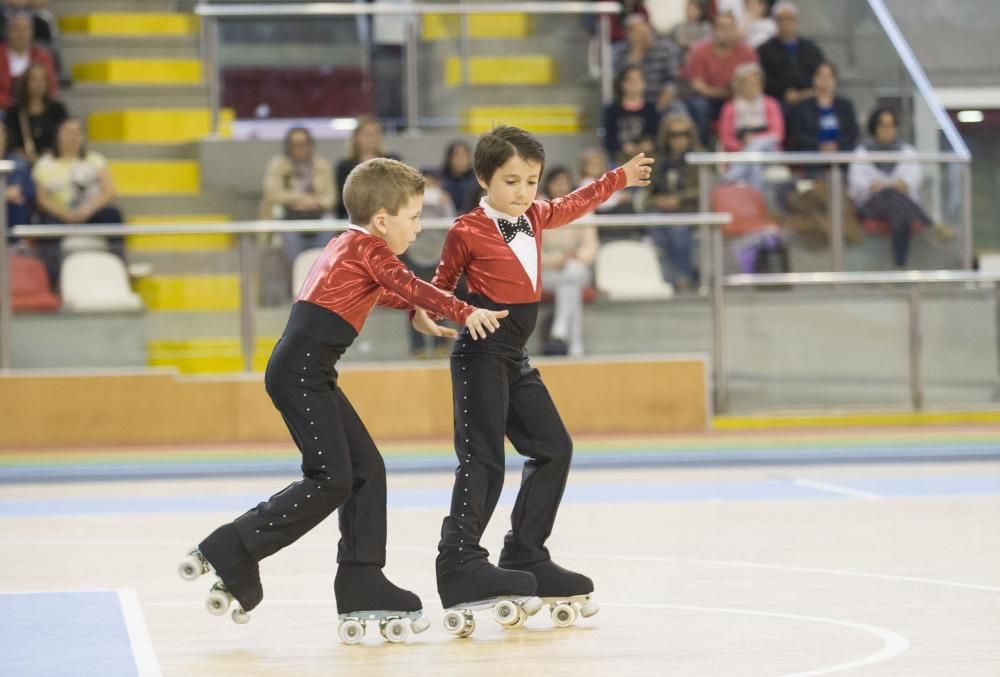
[{"x": 678, "y": 244}]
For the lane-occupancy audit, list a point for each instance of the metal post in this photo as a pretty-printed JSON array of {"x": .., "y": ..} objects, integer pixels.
[
  {"x": 6, "y": 311},
  {"x": 210, "y": 58},
  {"x": 248, "y": 301},
  {"x": 916, "y": 348},
  {"x": 836, "y": 209},
  {"x": 607, "y": 86},
  {"x": 967, "y": 234},
  {"x": 704, "y": 232},
  {"x": 412, "y": 87},
  {"x": 719, "y": 323}
]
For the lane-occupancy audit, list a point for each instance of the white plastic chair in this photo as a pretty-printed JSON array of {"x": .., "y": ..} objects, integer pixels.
[
  {"x": 627, "y": 270},
  {"x": 94, "y": 282},
  {"x": 301, "y": 265}
]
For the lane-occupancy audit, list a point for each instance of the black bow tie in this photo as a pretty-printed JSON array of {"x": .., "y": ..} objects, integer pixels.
[{"x": 509, "y": 230}]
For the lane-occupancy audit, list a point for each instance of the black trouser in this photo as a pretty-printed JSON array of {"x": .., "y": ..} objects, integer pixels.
[
  {"x": 900, "y": 212},
  {"x": 341, "y": 467},
  {"x": 496, "y": 392}
]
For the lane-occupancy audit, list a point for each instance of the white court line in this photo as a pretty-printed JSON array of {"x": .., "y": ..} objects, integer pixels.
[
  {"x": 835, "y": 488},
  {"x": 893, "y": 643},
  {"x": 138, "y": 635}
]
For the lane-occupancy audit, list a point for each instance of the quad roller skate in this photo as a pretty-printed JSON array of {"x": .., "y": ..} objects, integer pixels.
[
  {"x": 365, "y": 595},
  {"x": 238, "y": 576},
  {"x": 477, "y": 586},
  {"x": 567, "y": 594},
  {"x": 508, "y": 611},
  {"x": 219, "y": 598}
]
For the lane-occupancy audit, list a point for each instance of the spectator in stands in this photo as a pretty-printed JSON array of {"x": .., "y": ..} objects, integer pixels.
[
  {"x": 298, "y": 186},
  {"x": 674, "y": 188},
  {"x": 32, "y": 122},
  {"x": 657, "y": 58},
  {"x": 20, "y": 189},
  {"x": 423, "y": 256},
  {"x": 630, "y": 121},
  {"x": 758, "y": 26},
  {"x": 74, "y": 186},
  {"x": 751, "y": 121},
  {"x": 365, "y": 144},
  {"x": 693, "y": 29},
  {"x": 618, "y": 29},
  {"x": 709, "y": 68},
  {"x": 888, "y": 191},
  {"x": 458, "y": 177},
  {"x": 823, "y": 122},
  {"x": 43, "y": 23},
  {"x": 789, "y": 60},
  {"x": 567, "y": 256},
  {"x": 17, "y": 53},
  {"x": 593, "y": 164}
]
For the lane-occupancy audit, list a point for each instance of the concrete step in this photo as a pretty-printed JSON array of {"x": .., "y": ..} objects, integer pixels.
[
  {"x": 156, "y": 125},
  {"x": 481, "y": 26},
  {"x": 117, "y": 150},
  {"x": 70, "y": 7},
  {"x": 501, "y": 71},
  {"x": 84, "y": 48},
  {"x": 85, "y": 98},
  {"x": 206, "y": 202},
  {"x": 129, "y": 23},
  {"x": 156, "y": 177},
  {"x": 139, "y": 71}
]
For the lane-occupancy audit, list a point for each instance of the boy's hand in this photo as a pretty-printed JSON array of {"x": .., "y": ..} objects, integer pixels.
[
  {"x": 638, "y": 170},
  {"x": 423, "y": 323},
  {"x": 483, "y": 321}
]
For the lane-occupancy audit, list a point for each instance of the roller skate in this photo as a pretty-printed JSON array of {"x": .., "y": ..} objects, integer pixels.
[
  {"x": 569, "y": 595},
  {"x": 364, "y": 594},
  {"x": 477, "y": 586},
  {"x": 238, "y": 576}
]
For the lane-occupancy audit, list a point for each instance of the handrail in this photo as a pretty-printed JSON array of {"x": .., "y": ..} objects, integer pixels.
[
  {"x": 918, "y": 76},
  {"x": 816, "y": 158},
  {"x": 351, "y": 9}
]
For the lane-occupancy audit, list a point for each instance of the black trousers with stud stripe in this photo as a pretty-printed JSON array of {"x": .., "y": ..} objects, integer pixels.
[
  {"x": 497, "y": 394},
  {"x": 341, "y": 466}
]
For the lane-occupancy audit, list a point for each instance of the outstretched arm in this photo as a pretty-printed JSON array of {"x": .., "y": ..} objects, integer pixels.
[{"x": 582, "y": 201}]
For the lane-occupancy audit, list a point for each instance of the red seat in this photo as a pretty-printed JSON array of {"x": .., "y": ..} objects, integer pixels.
[
  {"x": 589, "y": 295},
  {"x": 297, "y": 92},
  {"x": 747, "y": 206},
  {"x": 879, "y": 227},
  {"x": 29, "y": 284}
]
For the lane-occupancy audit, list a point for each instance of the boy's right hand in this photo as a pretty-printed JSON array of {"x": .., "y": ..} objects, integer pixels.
[
  {"x": 483, "y": 320},
  {"x": 638, "y": 170}
]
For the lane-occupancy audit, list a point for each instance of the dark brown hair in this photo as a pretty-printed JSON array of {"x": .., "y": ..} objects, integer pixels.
[
  {"x": 380, "y": 183},
  {"x": 494, "y": 149},
  {"x": 21, "y": 86}
]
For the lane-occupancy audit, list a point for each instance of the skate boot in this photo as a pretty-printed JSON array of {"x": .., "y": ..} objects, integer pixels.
[
  {"x": 365, "y": 594},
  {"x": 478, "y": 585},
  {"x": 238, "y": 574},
  {"x": 567, "y": 593}
]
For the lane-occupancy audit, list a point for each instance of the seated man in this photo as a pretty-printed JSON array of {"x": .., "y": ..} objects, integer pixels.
[{"x": 788, "y": 59}]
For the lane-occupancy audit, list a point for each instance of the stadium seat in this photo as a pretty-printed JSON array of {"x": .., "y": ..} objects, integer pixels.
[
  {"x": 628, "y": 270},
  {"x": 301, "y": 265},
  {"x": 94, "y": 281},
  {"x": 747, "y": 206},
  {"x": 30, "y": 285}
]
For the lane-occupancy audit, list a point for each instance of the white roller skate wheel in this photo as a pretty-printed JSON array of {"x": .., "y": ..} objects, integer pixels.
[
  {"x": 395, "y": 631},
  {"x": 418, "y": 625},
  {"x": 470, "y": 627},
  {"x": 563, "y": 615},
  {"x": 522, "y": 617},
  {"x": 589, "y": 608},
  {"x": 190, "y": 568},
  {"x": 351, "y": 631},
  {"x": 532, "y": 605},
  {"x": 505, "y": 613},
  {"x": 240, "y": 616},
  {"x": 218, "y": 602},
  {"x": 454, "y": 622}
]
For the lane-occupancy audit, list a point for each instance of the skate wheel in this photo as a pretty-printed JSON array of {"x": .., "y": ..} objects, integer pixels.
[
  {"x": 505, "y": 613},
  {"x": 218, "y": 602},
  {"x": 190, "y": 568},
  {"x": 454, "y": 622},
  {"x": 532, "y": 605},
  {"x": 563, "y": 615},
  {"x": 240, "y": 616},
  {"x": 351, "y": 631},
  {"x": 470, "y": 627},
  {"x": 589, "y": 608},
  {"x": 419, "y": 625},
  {"x": 395, "y": 630},
  {"x": 522, "y": 617}
]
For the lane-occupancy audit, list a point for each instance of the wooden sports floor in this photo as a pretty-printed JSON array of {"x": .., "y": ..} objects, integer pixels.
[{"x": 755, "y": 564}]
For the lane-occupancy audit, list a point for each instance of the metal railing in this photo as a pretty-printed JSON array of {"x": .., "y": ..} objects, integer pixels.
[{"x": 212, "y": 14}]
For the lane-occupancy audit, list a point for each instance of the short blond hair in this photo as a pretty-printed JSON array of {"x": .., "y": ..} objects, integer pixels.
[{"x": 380, "y": 183}]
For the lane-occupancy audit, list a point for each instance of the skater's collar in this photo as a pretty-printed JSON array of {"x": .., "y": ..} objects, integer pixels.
[
  {"x": 358, "y": 228},
  {"x": 496, "y": 214}
]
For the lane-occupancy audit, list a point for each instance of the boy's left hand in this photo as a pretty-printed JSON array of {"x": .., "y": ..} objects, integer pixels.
[
  {"x": 638, "y": 170},
  {"x": 423, "y": 323}
]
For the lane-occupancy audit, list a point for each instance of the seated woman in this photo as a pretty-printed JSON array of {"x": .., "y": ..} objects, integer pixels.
[
  {"x": 824, "y": 122},
  {"x": 567, "y": 256},
  {"x": 889, "y": 191},
  {"x": 750, "y": 121},
  {"x": 32, "y": 122},
  {"x": 674, "y": 188},
  {"x": 457, "y": 176},
  {"x": 74, "y": 186},
  {"x": 20, "y": 189},
  {"x": 630, "y": 121}
]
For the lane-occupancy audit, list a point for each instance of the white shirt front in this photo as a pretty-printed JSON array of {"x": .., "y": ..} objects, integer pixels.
[
  {"x": 18, "y": 62},
  {"x": 524, "y": 246}
]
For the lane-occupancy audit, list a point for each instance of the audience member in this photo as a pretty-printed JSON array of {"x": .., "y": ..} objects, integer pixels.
[
  {"x": 365, "y": 144},
  {"x": 789, "y": 60},
  {"x": 657, "y": 58},
  {"x": 20, "y": 189},
  {"x": 458, "y": 178},
  {"x": 17, "y": 53},
  {"x": 693, "y": 29},
  {"x": 751, "y": 121},
  {"x": 758, "y": 26},
  {"x": 630, "y": 121},
  {"x": 823, "y": 122},
  {"x": 32, "y": 122}
]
